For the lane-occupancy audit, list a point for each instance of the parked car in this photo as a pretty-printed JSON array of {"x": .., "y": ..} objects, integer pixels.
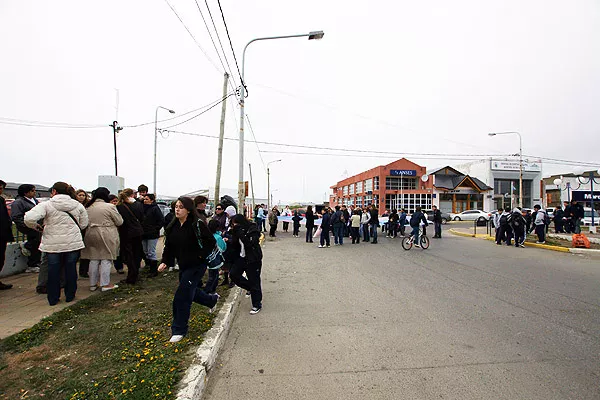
[
  {"x": 471, "y": 215},
  {"x": 587, "y": 219},
  {"x": 445, "y": 216}
]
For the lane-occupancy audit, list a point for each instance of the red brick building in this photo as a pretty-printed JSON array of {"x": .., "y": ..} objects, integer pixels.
[{"x": 396, "y": 185}]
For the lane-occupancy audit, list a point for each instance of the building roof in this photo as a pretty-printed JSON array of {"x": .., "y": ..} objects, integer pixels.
[{"x": 456, "y": 179}]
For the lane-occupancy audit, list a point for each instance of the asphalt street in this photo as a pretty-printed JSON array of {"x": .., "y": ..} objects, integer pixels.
[{"x": 466, "y": 319}]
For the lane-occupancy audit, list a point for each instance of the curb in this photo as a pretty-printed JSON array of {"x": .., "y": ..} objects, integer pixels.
[
  {"x": 539, "y": 246},
  {"x": 195, "y": 379}
]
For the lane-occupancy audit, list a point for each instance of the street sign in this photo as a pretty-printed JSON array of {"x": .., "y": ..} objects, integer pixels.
[
  {"x": 584, "y": 195},
  {"x": 403, "y": 172}
]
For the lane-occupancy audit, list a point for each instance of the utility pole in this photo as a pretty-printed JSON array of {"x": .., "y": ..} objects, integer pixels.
[
  {"x": 221, "y": 135},
  {"x": 251, "y": 187},
  {"x": 116, "y": 128}
]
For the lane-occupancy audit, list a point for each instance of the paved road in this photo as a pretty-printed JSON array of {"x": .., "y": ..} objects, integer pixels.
[{"x": 465, "y": 319}]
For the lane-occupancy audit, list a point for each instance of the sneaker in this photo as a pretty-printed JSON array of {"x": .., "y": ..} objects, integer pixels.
[
  {"x": 248, "y": 294},
  {"x": 255, "y": 310},
  {"x": 541, "y": 242},
  {"x": 176, "y": 267},
  {"x": 110, "y": 287},
  {"x": 320, "y": 247},
  {"x": 33, "y": 270},
  {"x": 171, "y": 269},
  {"x": 521, "y": 245},
  {"x": 214, "y": 308},
  {"x": 93, "y": 288},
  {"x": 417, "y": 245},
  {"x": 176, "y": 338},
  {"x": 328, "y": 246}
]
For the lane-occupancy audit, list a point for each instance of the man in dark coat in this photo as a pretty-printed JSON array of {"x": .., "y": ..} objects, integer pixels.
[
  {"x": 5, "y": 232},
  {"x": 437, "y": 222},
  {"x": 24, "y": 202}
]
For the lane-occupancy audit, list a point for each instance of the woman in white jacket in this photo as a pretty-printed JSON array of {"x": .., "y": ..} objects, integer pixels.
[{"x": 64, "y": 218}]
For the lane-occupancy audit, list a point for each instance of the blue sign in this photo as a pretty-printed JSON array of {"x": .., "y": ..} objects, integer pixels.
[
  {"x": 582, "y": 195},
  {"x": 403, "y": 172}
]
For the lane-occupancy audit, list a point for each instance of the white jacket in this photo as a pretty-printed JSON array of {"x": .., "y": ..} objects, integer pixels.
[{"x": 61, "y": 234}]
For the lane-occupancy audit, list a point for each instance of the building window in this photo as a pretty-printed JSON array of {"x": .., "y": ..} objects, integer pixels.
[
  {"x": 408, "y": 201},
  {"x": 368, "y": 185},
  {"x": 368, "y": 199},
  {"x": 400, "y": 183},
  {"x": 351, "y": 189},
  {"x": 376, "y": 183},
  {"x": 359, "y": 202},
  {"x": 359, "y": 187},
  {"x": 345, "y": 192}
]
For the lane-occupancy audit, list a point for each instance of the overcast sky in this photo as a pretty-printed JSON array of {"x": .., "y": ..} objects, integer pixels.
[{"x": 397, "y": 76}]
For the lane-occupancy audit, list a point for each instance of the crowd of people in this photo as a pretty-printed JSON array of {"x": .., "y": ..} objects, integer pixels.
[
  {"x": 514, "y": 225},
  {"x": 360, "y": 224},
  {"x": 106, "y": 230}
]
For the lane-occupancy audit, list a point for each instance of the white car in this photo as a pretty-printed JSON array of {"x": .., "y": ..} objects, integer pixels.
[
  {"x": 587, "y": 219},
  {"x": 470, "y": 215}
]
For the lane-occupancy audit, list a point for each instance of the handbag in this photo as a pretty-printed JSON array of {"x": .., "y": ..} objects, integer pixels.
[{"x": 318, "y": 232}]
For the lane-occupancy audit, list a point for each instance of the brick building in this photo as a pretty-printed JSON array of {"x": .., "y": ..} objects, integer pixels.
[{"x": 395, "y": 185}]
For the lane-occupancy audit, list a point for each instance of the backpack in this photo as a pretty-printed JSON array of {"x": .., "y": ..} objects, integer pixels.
[
  {"x": 504, "y": 220},
  {"x": 546, "y": 218},
  {"x": 227, "y": 201},
  {"x": 516, "y": 219},
  {"x": 215, "y": 259}
]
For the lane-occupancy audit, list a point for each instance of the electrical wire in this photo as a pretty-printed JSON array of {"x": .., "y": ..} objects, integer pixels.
[
  {"x": 219, "y": 40},
  {"x": 192, "y": 36},
  {"x": 257, "y": 148},
  {"x": 199, "y": 114},
  {"x": 39, "y": 124},
  {"x": 231, "y": 45}
]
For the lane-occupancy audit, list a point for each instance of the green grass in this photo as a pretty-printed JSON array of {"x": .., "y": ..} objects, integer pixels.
[{"x": 112, "y": 345}]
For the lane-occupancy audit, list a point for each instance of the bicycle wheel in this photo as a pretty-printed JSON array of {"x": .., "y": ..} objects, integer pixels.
[
  {"x": 407, "y": 242},
  {"x": 424, "y": 242}
]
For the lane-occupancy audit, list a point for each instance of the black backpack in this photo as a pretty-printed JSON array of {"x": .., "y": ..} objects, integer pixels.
[
  {"x": 516, "y": 219},
  {"x": 504, "y": 220},
  {"x": 227, "y": 201}
]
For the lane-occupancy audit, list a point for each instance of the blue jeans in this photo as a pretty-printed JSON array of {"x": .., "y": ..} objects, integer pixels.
[
  {"x": 365, "y": 228},
  {"x": 186, "y": 293},
  {"x": 149, "y": 246},
  {"x": 56, "y": 262},
  {"x": 338, "y": 234},
  {"x": 374, "y": 231},
  {"x": 415, "y": 233},
  {"x": 213, "y": 281}
]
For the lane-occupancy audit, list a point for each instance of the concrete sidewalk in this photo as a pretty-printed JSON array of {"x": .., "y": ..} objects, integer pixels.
[{"x": 21, "y": 307}]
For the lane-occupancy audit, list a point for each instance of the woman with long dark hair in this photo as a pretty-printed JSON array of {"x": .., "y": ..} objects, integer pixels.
[
  {"x": 101, "y": 239},
  {"x": 130, "y": 234},
  {"x": 188, "y": 240},
  {"x": 310, "y": 224}
]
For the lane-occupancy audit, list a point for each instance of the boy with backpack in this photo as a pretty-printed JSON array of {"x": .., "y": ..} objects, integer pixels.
[
  {"x": 540, "y": 222},
  {"x": 505, "y": 229},
  {"x": 517, "y": 223}
]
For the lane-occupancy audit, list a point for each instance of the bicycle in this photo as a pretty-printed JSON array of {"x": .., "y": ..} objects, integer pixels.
[{"x": 408, "y": 241}]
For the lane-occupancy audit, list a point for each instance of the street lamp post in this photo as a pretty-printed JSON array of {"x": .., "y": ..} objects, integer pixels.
[
  {"x": 520, "y": 162},
  {"x": 558, "y": 182},
  {"x": 316, "y": 35},
  {"x": 269, "y": 184},
  {"x": 591, "y": 181},
  {"x": 156, "y": 141}
]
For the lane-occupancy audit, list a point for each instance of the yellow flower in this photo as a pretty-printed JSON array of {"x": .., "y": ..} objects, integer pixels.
[{"x": 124, "y": 391}]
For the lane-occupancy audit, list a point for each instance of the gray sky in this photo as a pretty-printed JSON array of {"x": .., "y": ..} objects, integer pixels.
[{"x": 398, "y": 76}]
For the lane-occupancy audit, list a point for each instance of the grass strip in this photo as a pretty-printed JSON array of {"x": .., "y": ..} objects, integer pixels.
[{"x": 112, "y": 345}]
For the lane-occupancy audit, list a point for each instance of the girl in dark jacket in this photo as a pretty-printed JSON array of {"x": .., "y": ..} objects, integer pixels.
[
  {"x": 130, "y": 234},
  {"x": 153, "y": 222},
  {"x": 188, "y": 240},
  {"x": 296, "y": 219}
]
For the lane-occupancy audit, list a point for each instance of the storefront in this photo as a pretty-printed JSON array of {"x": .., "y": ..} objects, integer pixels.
[
  {"x": 456, "y": 192},
  {"x": 393, "y": 186}
]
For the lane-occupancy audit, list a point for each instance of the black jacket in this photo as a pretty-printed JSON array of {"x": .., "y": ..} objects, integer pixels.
[
  {"x": 577, "y": 211},
  {"x": 153, "y": 221},
  {"x": 416, "y": 219},
  {"x": 374, "y": 217},
  {"x": 132, "y": 221},
  {"x": 437, "y": 216},
  {"x": 250, "y": 237},
  {"x": 182, "y": 242},
  {"x": 5, "y": 223},
  {"x": 310, "y": 219},
  {"x": 325, "y": 222},
  {"x": 17, "y": 212}
]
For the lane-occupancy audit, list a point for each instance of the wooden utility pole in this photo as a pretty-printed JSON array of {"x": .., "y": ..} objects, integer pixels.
[
  {"x": 252, "y": 188},
  {"x": 221, "y": 135}
]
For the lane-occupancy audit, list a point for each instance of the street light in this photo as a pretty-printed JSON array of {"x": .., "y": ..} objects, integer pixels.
[
  {"x": 558, "y": 182},
  {"x": 269, "y": 183},
  {"x": 315, "y": 35},
  {"x": 520, "y": 162},
  {"x": 156, "y": 141}
]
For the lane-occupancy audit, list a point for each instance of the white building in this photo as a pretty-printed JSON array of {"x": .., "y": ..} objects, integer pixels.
[{"x": 502, "y": 174}]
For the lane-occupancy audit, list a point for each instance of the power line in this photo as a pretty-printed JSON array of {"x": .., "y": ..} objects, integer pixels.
[
  {"x": 219, "y": 39},
  {"x": 257, "y": 148},
  {"x": 39, "y": 124},
  {"x": 231, "y": 45},
  {"x": 199, "y": 114},
  {"x": 192, "y": 36}
]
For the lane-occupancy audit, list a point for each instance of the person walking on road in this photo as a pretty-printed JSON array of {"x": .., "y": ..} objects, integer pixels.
[
  {"x": 101, "y": 239},
  {"x": 437, "y": 223},
  {"x": 188, "y": 240},
  {"x": 6, "y": 234},
  {"x": 415, "y": 222},
  {"x": 505, "y": 229},
  {"x": 325, "y": 225},
  {"x": 246, "y": 239},
  {"x": 296, "y": 220},
  {"x": 310, "y": 224},
  {"x": 540, "y": 223},
  {"x": 64, "y": 219},
  {"x": 374, "y": 223},
  {"x": 517, "y": 224}
]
